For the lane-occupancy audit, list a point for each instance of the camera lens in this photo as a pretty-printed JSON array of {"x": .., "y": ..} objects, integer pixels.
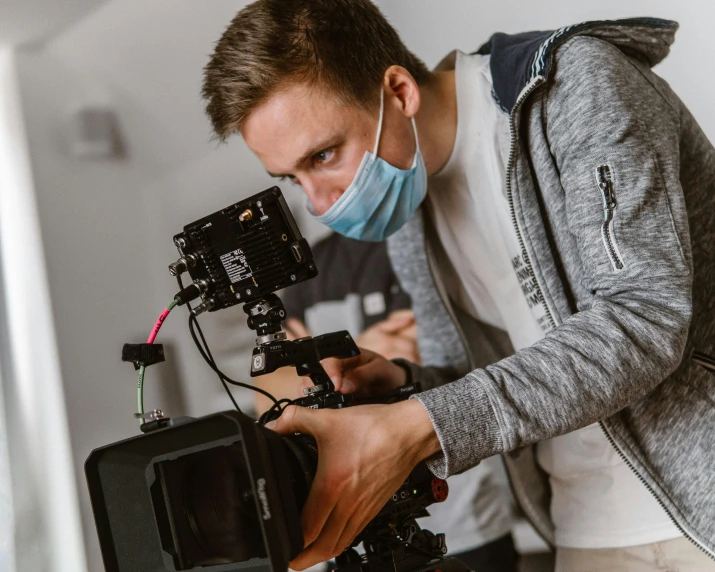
[
  {"x": 220, "y": 506},
  {"x": 214, "y": 511}
]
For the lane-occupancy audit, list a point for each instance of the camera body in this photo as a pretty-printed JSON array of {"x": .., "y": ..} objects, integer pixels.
[
  {"x": 222, "y": 493},
  {"x": 149, "y": 492}
]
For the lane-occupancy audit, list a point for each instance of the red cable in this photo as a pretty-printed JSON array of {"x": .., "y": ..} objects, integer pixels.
[{"x": 158, "y": 325}]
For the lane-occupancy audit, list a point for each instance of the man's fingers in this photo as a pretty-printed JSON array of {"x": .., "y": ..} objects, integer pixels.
[
  {"x": 409, "y": 332},
  {"x": 397, "y": 321},
  {"x": 374, "y": 376},
  {"x": 402, "y": 315},
  {"x": 318, "y": 507},
  {"x": 340, "y": 529},
  {"x": 295, "y": 419},
  {"x": 324, "y": 544},
  {"x": 351, "y": 531},
  {"x": 338, "y": 368},
  {"x": 341, "y": 524}
]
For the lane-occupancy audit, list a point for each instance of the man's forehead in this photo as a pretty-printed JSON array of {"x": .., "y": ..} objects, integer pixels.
[
  {"x": 282, "y": 144},
  {"x": 296, "y": 103},
  {"x": 295, "y": 120}
]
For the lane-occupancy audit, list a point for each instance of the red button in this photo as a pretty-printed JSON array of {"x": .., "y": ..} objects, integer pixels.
[{"x": 440, "y": 489}]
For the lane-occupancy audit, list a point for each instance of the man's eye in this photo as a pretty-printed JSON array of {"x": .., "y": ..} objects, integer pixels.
[{"x": 323, "y": 156}]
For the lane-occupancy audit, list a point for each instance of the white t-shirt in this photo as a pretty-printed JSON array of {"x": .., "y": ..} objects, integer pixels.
[{"x": 597, "y": 502}]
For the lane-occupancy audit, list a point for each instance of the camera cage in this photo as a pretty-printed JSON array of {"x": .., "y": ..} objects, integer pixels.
[{"x": 243, "y": 254}]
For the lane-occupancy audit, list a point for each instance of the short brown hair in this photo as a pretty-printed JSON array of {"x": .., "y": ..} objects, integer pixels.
[{"x": 345, "y": 45}]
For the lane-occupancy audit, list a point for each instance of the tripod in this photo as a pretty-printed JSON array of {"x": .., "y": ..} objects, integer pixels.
[{"x": 391, "y": 546}]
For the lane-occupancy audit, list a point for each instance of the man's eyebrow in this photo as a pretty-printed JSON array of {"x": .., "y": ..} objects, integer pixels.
[{"x": 327, "y": 143}]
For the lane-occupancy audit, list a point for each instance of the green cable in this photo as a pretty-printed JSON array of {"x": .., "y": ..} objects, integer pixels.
[
  {"x": 142, "y": 369},
  {"x": 140, "y": 393}
]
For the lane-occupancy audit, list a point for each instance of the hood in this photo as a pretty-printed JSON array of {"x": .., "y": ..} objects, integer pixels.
[{"x": 517, "y": 59}]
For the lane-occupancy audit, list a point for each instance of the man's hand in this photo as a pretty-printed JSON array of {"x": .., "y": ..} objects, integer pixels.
[
  {"x": 394, "y": 337},
  {"x": 364, "y": 454},
  {"x": 365, "y": 375}
]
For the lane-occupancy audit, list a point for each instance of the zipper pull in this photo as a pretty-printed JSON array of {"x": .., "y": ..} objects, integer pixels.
[{"x": 604, "y": 181}]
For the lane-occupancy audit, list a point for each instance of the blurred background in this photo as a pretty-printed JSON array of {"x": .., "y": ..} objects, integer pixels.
[{"x": 105, "y": 153}]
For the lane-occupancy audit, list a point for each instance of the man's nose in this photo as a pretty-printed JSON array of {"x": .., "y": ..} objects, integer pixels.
[{"x": 319, "y": 196}]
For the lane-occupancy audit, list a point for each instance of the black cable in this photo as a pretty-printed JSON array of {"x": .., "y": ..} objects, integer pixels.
[
  {"x": 266, "y": 416},
  {"x": 193, "y": 321},
  {"x": 188, "y": 306},
  {"x": 209, "y": 359},
  {"x": 206, "y": 354}
]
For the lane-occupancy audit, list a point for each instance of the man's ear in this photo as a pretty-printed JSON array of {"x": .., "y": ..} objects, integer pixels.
[{"x": 401, "y": 90}]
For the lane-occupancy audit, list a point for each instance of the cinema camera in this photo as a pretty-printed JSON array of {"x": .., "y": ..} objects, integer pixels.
[{"x": 222, "y": 493}]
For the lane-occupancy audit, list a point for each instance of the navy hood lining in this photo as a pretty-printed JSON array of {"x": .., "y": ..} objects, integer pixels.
[{"x": 517, "y": 59}]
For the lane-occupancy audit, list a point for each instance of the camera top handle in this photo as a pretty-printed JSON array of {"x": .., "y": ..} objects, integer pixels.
[{"x": 273, "y": 350}]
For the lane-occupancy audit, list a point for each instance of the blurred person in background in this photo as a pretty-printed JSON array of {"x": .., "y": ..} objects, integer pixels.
[{"x": 357, "y": 290}]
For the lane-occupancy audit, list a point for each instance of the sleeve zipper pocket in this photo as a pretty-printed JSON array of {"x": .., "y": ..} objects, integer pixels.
[{"x": 605, "y": 185}]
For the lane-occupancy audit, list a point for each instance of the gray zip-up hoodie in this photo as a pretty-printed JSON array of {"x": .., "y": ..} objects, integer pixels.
[{"x": 611, "y": 186}]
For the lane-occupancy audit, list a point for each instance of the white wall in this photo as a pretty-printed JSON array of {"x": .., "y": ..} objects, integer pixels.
[
  {"x": 432, "y": 29},
  {"x": 93, "y": 232},
  {"x": 45, "y": 529},
  {"x": 108, "y": 225},
  {"x": 23, "y": 21}
]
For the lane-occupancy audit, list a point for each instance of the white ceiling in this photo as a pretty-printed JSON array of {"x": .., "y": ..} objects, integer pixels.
[
  {"x": 152, "y": 55},
  {"x": 29, "y": 21}
]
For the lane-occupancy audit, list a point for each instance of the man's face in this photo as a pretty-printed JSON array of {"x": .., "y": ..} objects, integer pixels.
[{"x": 307, "y": 135}]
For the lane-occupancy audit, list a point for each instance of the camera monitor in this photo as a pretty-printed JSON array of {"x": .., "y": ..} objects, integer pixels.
[{"x": 244, "y": 252}]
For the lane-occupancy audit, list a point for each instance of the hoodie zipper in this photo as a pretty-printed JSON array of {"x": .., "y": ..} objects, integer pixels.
[
  {"x": 530, "y": 87},
  {"x": 628, "y": 463},
  {"x": 521, "y": 497},
  {"x": 526, "y": 92},
  {"x": 605, "y": 185}
]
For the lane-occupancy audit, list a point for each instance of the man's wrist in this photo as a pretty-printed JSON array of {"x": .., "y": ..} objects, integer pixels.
[{"x": 415, "y": 429}]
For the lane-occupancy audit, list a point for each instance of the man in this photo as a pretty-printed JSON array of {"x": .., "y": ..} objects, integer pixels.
[
  {"x": 560, "y": 267},
  {"x": 357, "y": 290}
]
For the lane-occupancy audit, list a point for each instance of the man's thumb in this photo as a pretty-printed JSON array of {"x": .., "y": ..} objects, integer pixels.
[{"x": 294, "y": 419}]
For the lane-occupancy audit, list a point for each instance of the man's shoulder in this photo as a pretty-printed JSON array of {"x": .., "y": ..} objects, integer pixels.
[
  {"x": 519, "y": 59},
  {"x": 587, "y": 55}
]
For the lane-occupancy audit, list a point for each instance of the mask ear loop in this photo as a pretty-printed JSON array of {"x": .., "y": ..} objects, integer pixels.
[
  {"x": 379, "y": 131},
  {"x": 417, "y": 139},
  {"x": 379, "y": 124}
]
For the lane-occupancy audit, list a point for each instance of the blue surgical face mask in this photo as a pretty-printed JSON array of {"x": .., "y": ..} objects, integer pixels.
[{"x": 381, "y": 198}]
